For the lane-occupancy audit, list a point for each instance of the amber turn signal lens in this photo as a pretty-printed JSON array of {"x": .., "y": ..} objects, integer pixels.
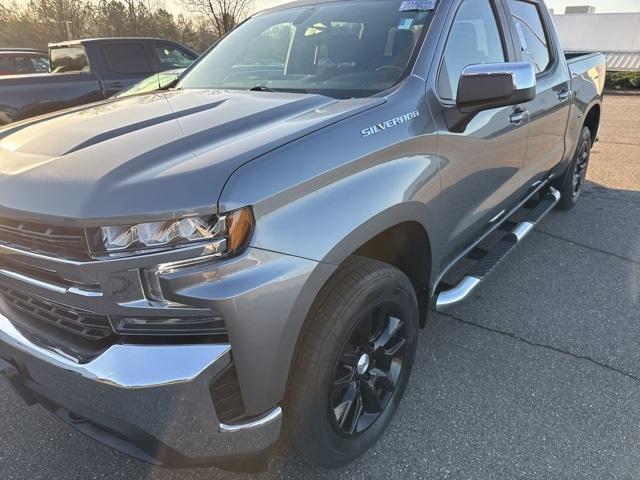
[{"x": 240, "y": 225}]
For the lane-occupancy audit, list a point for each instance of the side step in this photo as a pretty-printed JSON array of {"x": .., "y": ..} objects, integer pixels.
[{"x": 492, "y": 258}]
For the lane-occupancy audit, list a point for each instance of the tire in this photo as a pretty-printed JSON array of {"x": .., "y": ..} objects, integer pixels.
[
  {"x": 572, "y": 183},
  {"x": 321, "y": 426}
]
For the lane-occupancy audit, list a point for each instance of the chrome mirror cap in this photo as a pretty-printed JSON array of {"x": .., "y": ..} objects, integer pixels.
[{"x": 492, "y": 85}]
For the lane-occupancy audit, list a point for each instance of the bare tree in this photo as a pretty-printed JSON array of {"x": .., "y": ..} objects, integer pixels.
[
  {"x": 35, "y": 23},
  {"x": 59, "y": 19},
  {"x": 223, "y": 14}
]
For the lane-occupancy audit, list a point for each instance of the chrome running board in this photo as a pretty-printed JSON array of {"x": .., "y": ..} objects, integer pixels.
[{"x": 492, "y": 258}]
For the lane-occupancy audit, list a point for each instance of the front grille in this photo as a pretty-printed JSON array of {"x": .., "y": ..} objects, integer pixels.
[
  {"x": 81, "y": 323},
  {"x": 67, "y": 242},
  {"x": 9, "y": 263}
]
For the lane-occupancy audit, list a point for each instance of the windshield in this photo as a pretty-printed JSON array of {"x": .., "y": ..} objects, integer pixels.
[{"x": 343, "y": 50}]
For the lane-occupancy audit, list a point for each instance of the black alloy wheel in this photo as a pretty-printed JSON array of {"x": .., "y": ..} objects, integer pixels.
[
  {"x": 572, "y": 183},
  {"x": 580, "y": 170},
  {"x": 352, "y": 364},
  {"x": 367, "y": 370}
]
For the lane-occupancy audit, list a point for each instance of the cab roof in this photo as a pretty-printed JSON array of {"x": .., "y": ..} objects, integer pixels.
[{"x": 85, "y": 41}]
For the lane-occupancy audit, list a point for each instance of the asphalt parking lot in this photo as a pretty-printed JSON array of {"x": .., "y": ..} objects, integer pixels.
[{"x": 537, "y": 376}]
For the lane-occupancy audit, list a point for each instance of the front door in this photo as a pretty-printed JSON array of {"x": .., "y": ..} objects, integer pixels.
[{"x": 481, "y": 168}]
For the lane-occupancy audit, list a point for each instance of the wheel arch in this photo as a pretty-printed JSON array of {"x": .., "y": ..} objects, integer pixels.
[
  {"x": 592, "y": 120},
  {"x": 396, "y": 228},
  {"x": 406, "y": 246},
  {"x": 394, "y": 236},
  {"x": 400, "y": 237}
]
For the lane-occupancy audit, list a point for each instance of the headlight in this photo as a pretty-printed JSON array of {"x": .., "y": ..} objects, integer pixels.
[{"x": 224, "y": 234}]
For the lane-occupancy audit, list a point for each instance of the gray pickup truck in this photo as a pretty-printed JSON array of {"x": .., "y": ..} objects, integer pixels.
[{"x": 186, "y": 275}]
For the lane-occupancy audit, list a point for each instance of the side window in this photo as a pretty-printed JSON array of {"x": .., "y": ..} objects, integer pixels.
[
  {"x": 126, "y": 58},
  {"x": 6, "y": 65},
  {"x": 474, "y": 38},
  {"x": 23, "y": 65},
  {"x": 170, "y": 57},
  {"x": 40, "y": 64},
  {"x": 533, "y": 38}
]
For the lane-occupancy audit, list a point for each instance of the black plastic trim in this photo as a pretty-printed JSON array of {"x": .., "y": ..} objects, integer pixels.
[{"x": 227, "y": 397}]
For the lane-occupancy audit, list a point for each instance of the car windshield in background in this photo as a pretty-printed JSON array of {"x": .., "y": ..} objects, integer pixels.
[{"x": 342, "y": 50}]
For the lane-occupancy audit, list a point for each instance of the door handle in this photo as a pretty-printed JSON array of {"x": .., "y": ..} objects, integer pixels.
[
  {"x": 518, "y": 116},
  {"x": 563, "y": 94},
  {"x": 116, "y": 84}
]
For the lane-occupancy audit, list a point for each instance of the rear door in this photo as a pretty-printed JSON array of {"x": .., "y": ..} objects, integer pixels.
[
  {"x": 549, "y": 111},
  {"x": 480, "y": 167}
]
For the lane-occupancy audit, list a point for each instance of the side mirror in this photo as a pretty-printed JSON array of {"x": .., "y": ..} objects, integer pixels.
[{"x": 490, "y": 85}]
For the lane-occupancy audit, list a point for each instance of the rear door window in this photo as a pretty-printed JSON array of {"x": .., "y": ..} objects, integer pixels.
[
  {"x": 126, "y": 58},
  {"x": 532, "y": 35}
]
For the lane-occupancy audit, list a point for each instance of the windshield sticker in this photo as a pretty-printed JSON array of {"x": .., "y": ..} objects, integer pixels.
[
  {"x": 394, "y": 122},
  {"x": 417, "y": 5},
  {"x": 405, "y": 24}
]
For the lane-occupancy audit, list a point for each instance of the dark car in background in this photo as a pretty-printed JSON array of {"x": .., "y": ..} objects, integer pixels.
[
  {"x": 18, "y": 61},
  {"x": 85, "y": 71}
]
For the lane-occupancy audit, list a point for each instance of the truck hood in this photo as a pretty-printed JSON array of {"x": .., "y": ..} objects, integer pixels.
[{"x": 148, "y": 157}]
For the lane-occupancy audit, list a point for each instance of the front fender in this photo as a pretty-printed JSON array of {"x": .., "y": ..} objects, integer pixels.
[
  {"x": 332, "y": 222},
  {"x": 323, "y": 196},
  {"x": 329, "y": 224}
]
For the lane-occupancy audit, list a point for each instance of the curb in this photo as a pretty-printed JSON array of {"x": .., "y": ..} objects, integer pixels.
[{"x": 632, "y": 93}]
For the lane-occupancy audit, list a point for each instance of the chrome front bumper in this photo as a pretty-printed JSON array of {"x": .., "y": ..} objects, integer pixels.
[{"x": 150, "y": 401}]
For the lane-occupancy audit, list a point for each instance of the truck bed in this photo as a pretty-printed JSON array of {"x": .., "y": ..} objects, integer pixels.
[
  {"x": 581, "y": 62},
  {"x": 588, "y": 71}
]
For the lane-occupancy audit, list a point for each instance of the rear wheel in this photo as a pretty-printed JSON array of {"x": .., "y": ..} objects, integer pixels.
[
  {"x": 572, "y": 184},
  {"x": 353, "y": 363}
]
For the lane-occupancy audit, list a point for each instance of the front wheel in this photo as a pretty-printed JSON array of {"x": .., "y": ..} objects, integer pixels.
[
  {"x": 572, "y": 183},
  {"x": 353, "y": 363}
]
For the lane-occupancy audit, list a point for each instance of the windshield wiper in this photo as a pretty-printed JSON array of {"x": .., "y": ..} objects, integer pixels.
[
  {"x": 261, "y": 88},
  {"x": 264, "y": 88}
]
